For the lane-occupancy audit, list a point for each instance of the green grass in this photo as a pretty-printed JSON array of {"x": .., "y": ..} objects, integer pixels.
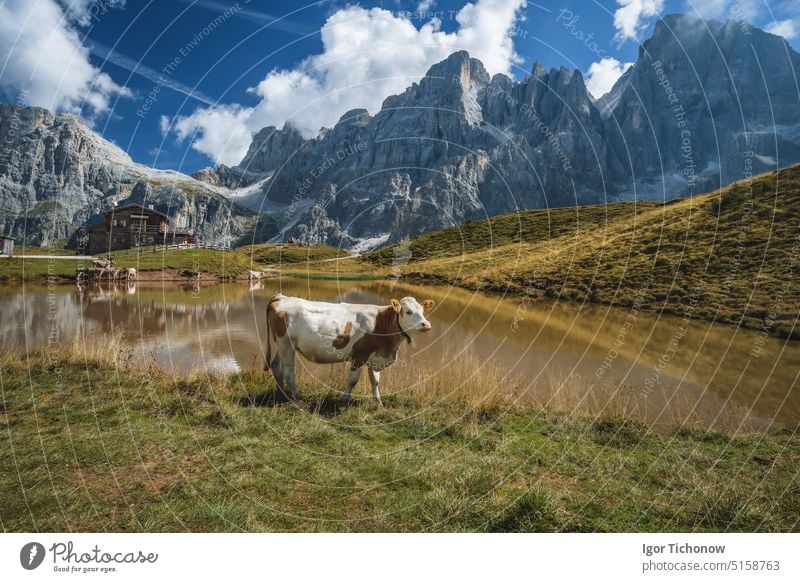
[
  {"x": 222, "y": 264},
  {"x": 58, "y": 249},
  {"x": 90, "y": 445},
  {"x": 277, "y": 255},
  {"x": 505, "y": 229},
  {"x": 731, "y": 255},
  {"x": 18, "y": 269}
]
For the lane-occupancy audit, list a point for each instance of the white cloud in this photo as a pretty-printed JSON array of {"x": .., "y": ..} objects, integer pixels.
[
  {"x": 367, "y": 55},
  {"x": 632, "y": 17},
  {"x": 425, "y": 5},
  {"x": 45, "y": 63},
  {"x": 603, "y": 74},
  {"x": 222, "y": 133},
  {"x": 785, "y": 28},
  {"x": 163, "y": 125}
]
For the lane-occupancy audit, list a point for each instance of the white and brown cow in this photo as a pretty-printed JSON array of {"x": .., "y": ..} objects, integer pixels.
[{"x": 329, "y": 333}]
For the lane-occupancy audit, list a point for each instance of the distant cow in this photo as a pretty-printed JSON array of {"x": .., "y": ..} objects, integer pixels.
[
  {"x": 328, "y": 333},
  {"x": 254, "y": 275}
]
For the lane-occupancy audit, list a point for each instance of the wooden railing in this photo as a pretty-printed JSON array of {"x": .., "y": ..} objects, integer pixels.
[{"x": 172, "y": 247}]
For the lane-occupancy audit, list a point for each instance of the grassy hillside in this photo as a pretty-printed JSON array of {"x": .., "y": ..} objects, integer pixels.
[
  {"x": 277, "y": 255},
  {"x": 731, "y": 255},
  {"x": 227, "y": 264},
  {"x": 19, "y": 269},
  {"x": 93, "y": 445}
]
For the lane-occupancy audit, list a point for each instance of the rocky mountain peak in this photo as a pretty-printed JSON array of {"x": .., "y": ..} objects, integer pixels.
[
  {"x": 459, "y": 67},
  {"x": 454, "y": 77},
  {"x": 271, "y": 147}
]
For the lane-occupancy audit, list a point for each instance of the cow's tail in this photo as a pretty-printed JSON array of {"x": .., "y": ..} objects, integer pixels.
[{"x": 268, "y": 355}]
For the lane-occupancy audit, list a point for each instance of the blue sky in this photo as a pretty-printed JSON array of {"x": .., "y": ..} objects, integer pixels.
[{"x": 182, "y": 84}]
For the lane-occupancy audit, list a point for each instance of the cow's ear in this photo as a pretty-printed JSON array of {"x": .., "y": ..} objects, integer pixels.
[
  {"x": 395, "y": 305},
  {"x": 427, "y": 305}
]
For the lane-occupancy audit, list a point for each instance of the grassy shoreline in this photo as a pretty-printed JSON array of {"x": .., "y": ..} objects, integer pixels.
[
  {"x": 206, "y": 263},
  {"x": 93, "y": 443}
]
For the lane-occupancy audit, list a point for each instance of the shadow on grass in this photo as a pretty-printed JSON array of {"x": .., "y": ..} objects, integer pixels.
[
  {"x": 267, "y": 398},
  {"x": 327, "y": 405},
  {"x": 535, "y": 511},
  {"x": 331, "y": 404}
]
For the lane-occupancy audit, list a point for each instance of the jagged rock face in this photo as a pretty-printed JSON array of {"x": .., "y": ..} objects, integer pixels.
[
  {"x": 227, "y": 178},
  {"x": 56, "y": 175},
  {"x": 705, "y": 102},
  {"x": 212, "y": 176},
  {"x": 456, "y": 146}
]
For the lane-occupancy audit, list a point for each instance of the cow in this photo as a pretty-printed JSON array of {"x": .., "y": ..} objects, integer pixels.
[
  {"x": 124, "y": 274},
  {"x": 329, "y": 333}
]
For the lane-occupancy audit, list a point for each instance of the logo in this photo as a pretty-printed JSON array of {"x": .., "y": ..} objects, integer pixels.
[{"x": 31, "y": 555}]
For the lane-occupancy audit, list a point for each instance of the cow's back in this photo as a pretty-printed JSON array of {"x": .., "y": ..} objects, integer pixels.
[{"x": 323, "y": 332}]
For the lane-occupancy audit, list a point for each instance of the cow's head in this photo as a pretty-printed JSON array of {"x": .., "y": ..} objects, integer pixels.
[{"x": 411, "y": 315}]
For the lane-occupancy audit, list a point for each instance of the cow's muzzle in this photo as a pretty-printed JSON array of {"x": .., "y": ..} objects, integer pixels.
[{"x": 425, "y": 326}]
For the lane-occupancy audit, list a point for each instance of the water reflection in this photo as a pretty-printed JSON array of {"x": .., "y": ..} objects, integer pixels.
[{"x": 593, "y": 358}]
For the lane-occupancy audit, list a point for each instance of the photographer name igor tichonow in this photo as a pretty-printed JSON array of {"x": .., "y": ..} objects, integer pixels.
[{"x": 65, "y": 557}]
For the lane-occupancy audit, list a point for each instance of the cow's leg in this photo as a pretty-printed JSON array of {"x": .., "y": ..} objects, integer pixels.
[
  {"x": 286, "y": 353},
  {"x": 277, "y": 373},
  {"x": 355, "y": 374},
  {"x": 374, "y": 379}
]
